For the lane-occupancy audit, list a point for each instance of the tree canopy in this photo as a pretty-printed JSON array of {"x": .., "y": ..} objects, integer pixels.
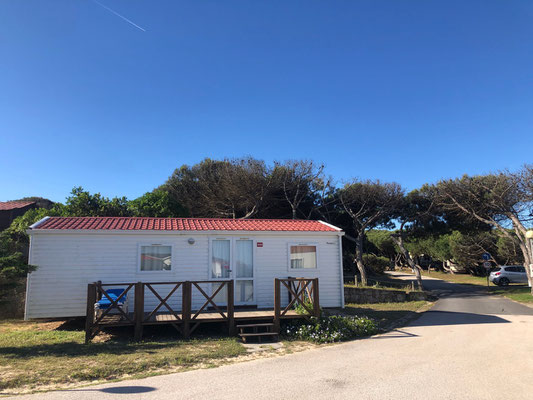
[{"x": 452, "y": 220}]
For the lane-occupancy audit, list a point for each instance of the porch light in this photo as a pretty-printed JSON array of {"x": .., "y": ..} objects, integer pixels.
[{"x": 191, "y": 241}]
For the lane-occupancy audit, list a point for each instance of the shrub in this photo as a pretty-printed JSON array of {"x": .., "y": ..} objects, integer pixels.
[
  {"x": 377, "y": 263},
  {"x": 328, "y": 329},
  {"x": 302, "y": 308}
]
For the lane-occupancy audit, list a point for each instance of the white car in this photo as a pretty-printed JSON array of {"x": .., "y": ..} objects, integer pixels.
[{"x": 506, "y": 274}]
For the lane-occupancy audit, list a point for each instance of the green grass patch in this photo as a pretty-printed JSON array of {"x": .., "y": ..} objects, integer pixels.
[
  {"x": 404, "y": 287},
  {"x": 516, "y": 292},
  {"x": 384, "y": 282},
  {"x": 521, "y": 294},
  {"x": 465, "y": 279},
  {"x": 386, "y": 313},
  {"x": 36, "y": 355}
]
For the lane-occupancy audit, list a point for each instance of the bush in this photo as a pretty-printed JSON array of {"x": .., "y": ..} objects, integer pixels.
[
  {"x": 302, "y": 309},
  {"x": 330, "y": 329},
  {"x": 378, "y": 264}
]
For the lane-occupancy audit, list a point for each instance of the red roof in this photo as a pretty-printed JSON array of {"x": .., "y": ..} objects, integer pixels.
[
  {"x": 182, "y": 224},
  {"x": 13, "y": 205}
]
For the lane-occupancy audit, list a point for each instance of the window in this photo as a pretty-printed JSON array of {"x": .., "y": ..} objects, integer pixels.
[
  {"x": 302, "y": 256},
  {"x": 220, "y": 259},
  {"x": 156, "y": 258}
]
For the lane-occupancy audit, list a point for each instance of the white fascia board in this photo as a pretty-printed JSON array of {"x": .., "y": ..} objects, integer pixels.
[
  {"x": 29, "y": 231},
  {"x": 180, "y": 233},
  {"x": 332, "y": 226}
]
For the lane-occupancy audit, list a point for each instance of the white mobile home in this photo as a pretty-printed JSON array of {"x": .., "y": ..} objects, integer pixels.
[{"x": 71, "y": 252}]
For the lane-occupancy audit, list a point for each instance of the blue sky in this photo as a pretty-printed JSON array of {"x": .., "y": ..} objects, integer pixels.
[{"x": 409, "y": 91}]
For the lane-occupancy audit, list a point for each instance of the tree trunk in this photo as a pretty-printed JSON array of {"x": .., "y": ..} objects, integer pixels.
[
  {"x": 397, "y": 260},
  {"x": 416, "y": 269},
  {"x": 359, "y": 258},
  {"x": 525, "y": 246},
  {"x": 528, "y": 260}
]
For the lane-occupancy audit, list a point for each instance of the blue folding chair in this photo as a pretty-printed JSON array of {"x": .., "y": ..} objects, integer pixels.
[{"x": 104, "y": 303}]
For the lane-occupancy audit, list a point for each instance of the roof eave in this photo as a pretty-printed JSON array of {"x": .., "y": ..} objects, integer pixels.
[{"x": 178, "y": 232}]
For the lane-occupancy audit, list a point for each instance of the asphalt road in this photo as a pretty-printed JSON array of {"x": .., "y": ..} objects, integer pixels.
[{"x": 469, "y": 346}]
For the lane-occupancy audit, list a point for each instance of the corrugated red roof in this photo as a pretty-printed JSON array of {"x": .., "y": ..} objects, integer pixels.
[
  {"x": 182, "y": 224},
  {"x": 13, "y": 205}
]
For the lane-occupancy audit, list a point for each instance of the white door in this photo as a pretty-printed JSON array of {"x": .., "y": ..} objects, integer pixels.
[
  {"x": 244, "y": 271},
  {"x": 233, "y": 259}
]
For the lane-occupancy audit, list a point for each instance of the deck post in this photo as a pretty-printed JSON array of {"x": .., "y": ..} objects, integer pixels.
[
  {"x": 277, "y": 304},
  {"x": 230, "y": 311},
  {"x": 186, "y": 300},
  {"x": 98, "y": 290},
  {"x": 139, "y": 310},
  {"x": 316, "y": 299},
  {"x": 89, "y": 320}
]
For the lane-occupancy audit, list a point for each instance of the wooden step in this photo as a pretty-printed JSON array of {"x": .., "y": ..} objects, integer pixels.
[
  {"x": 254, "y": 325},
  {"x": 258, "y": 334}
]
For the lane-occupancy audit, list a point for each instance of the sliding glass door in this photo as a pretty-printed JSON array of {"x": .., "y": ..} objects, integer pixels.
[
  {"x": 244, "y": 271},
  {"x": 233, "y": 259}
]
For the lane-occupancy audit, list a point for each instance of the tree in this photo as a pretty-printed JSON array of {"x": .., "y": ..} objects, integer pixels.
[
  {"x": 15, "y": 235},
  {"x": 302, "y": 183},
  {"x": 158, "y": 203},
  {"x": 40, "y": 202},
  {"x": 369, "y": 204},
  {"x": 234, "y": 188},
  {"x": 502, "y": 200},
  {"x": 81, "y": 203},
  {"x": 384, "y": 244},
  {"x": 418, "y": 219},
  {"x": 507, "y": 251},
  {"x": 14, "y": 243},
  {"x": 13, "y": 264}
]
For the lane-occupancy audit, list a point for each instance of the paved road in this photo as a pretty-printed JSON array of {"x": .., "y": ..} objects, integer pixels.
[{"x": 469, "y": 346}]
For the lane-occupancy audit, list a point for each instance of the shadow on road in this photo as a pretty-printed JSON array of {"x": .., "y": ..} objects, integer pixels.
[
  {"x": 396, "y": 333},
  {"x": 434, "y": 318},
  {"x": 119, "y": 390}
]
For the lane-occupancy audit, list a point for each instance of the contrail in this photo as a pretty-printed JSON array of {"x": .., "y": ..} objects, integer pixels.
[{"x": 120, "y": 16}]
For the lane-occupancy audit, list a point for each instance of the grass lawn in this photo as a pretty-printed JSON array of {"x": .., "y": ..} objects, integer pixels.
[
  {"x": 522, "y": 294},
  {"x": 403, "y": 287},
  {"x": 466, "y": 279},
  {"x": 516, "y": 292},
  {"x": 37, "y": 355},
  {"x": 52, "y": 355},
  {"x": 384, "y": 282},
  {"x": 386, "y": 313}
]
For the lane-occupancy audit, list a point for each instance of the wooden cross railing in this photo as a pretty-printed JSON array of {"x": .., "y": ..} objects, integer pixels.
[
  {"x": 229, "y": 315},
  {"x": 181, "y": 320},
  {"x": 95, "y": 292},
  {"x": 302, "y": 292}
]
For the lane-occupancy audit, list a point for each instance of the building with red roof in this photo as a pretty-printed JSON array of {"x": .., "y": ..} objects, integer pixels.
[
  {"x": 71, "y": 252},
  {"x": 9, "y": 210}
]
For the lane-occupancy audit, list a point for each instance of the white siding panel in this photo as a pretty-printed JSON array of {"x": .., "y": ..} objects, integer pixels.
[{"x": 67, "y": 263}]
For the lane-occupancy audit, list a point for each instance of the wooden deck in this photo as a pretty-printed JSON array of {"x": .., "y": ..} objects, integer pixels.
[
  {"x": 302, "y": 292},
  {"x": 209, "y": 316}
]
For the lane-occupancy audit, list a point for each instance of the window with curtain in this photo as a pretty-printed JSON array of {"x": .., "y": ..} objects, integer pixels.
[
  {"x": 156, "y": 258},
  {"x": 220, "y": 259},
  {"x": 303, "y": 256},
  {"x": 244, "y": 253}
]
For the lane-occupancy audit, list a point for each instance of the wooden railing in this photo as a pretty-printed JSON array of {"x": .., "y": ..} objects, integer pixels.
[
  {"x": 302, "y": 292},
  {"x": 179, "y": 319}
]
